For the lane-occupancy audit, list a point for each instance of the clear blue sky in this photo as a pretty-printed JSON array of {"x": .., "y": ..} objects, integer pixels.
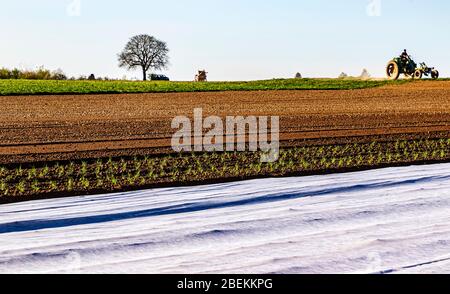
[{"x": 232, "y": 39}]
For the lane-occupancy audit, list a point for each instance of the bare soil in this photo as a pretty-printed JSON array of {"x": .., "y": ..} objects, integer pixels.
[{"x": 50, "y": 128}]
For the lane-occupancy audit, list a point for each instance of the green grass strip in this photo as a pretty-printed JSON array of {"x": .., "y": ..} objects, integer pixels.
[{"x": 47, "y": 87}]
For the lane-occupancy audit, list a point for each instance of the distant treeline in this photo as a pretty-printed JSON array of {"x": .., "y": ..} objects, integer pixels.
[
  {"x": 39, "y": 74},
  {"x": 42, "y": 74}
]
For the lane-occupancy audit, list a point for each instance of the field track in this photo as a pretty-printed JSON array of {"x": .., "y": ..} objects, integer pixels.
[{"x": 39, "y": 128}]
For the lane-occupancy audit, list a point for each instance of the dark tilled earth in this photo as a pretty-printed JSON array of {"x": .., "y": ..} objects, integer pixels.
[{"x": 50, "y": 128}]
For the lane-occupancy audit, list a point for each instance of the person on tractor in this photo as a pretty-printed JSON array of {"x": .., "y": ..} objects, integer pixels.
[
  {"x": 406, "y": 60},
  {"x": 405, "y": 56}
]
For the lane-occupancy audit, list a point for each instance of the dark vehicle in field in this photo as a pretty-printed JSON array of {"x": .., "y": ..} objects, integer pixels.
[
  {"x": 407, "y": 66},
  {"x": 155, "y": 77}
]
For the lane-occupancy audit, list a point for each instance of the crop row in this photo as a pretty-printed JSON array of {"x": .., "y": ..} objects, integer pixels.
[{"x": 112, "y": 174}]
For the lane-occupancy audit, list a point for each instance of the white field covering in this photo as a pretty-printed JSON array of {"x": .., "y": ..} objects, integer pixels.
[{"x": 394, "y": 220}]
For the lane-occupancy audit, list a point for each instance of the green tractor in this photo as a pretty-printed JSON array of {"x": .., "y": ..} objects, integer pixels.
[{"x": 407, "y": 66}]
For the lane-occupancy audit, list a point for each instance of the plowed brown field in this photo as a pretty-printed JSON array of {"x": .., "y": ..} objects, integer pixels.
[{"x": 37, "y": 128}]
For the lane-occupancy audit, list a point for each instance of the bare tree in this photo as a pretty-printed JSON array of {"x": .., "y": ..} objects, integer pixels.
[{"x": 146, "y": 52}]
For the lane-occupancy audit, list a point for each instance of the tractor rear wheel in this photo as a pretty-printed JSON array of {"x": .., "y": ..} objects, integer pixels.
[
  {"x": 392, "y": 70},
  {"x": 418, "y": 74},
  {"x": 435, "y": 74}
]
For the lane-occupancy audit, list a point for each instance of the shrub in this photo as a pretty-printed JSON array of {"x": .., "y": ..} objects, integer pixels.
[
  {"x": 15, "y": 74},
  {"x": 5, "y": 74}
]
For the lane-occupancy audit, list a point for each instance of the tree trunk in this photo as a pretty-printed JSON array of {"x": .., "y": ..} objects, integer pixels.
[{"x": 145, "y": 74}]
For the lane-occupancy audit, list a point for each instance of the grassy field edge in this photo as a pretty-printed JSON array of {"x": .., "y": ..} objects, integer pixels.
[{"x": 52, "y": 87}]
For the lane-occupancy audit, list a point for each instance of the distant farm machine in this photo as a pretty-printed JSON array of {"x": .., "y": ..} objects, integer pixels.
[
  {"x": 406, "y": 65},
  {"x": 201, "y": 76}
]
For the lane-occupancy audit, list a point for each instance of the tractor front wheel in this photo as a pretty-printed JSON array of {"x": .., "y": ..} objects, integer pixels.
[
  {"x": 392, "y": 70},
  {"x": 418, "y": 74},
  {"x": 435, "y": 74}
]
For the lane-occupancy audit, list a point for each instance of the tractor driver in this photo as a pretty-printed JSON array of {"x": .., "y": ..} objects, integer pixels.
[
  {"x": 406, "y": 60},
  {"x": 405, "y": 56}
]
